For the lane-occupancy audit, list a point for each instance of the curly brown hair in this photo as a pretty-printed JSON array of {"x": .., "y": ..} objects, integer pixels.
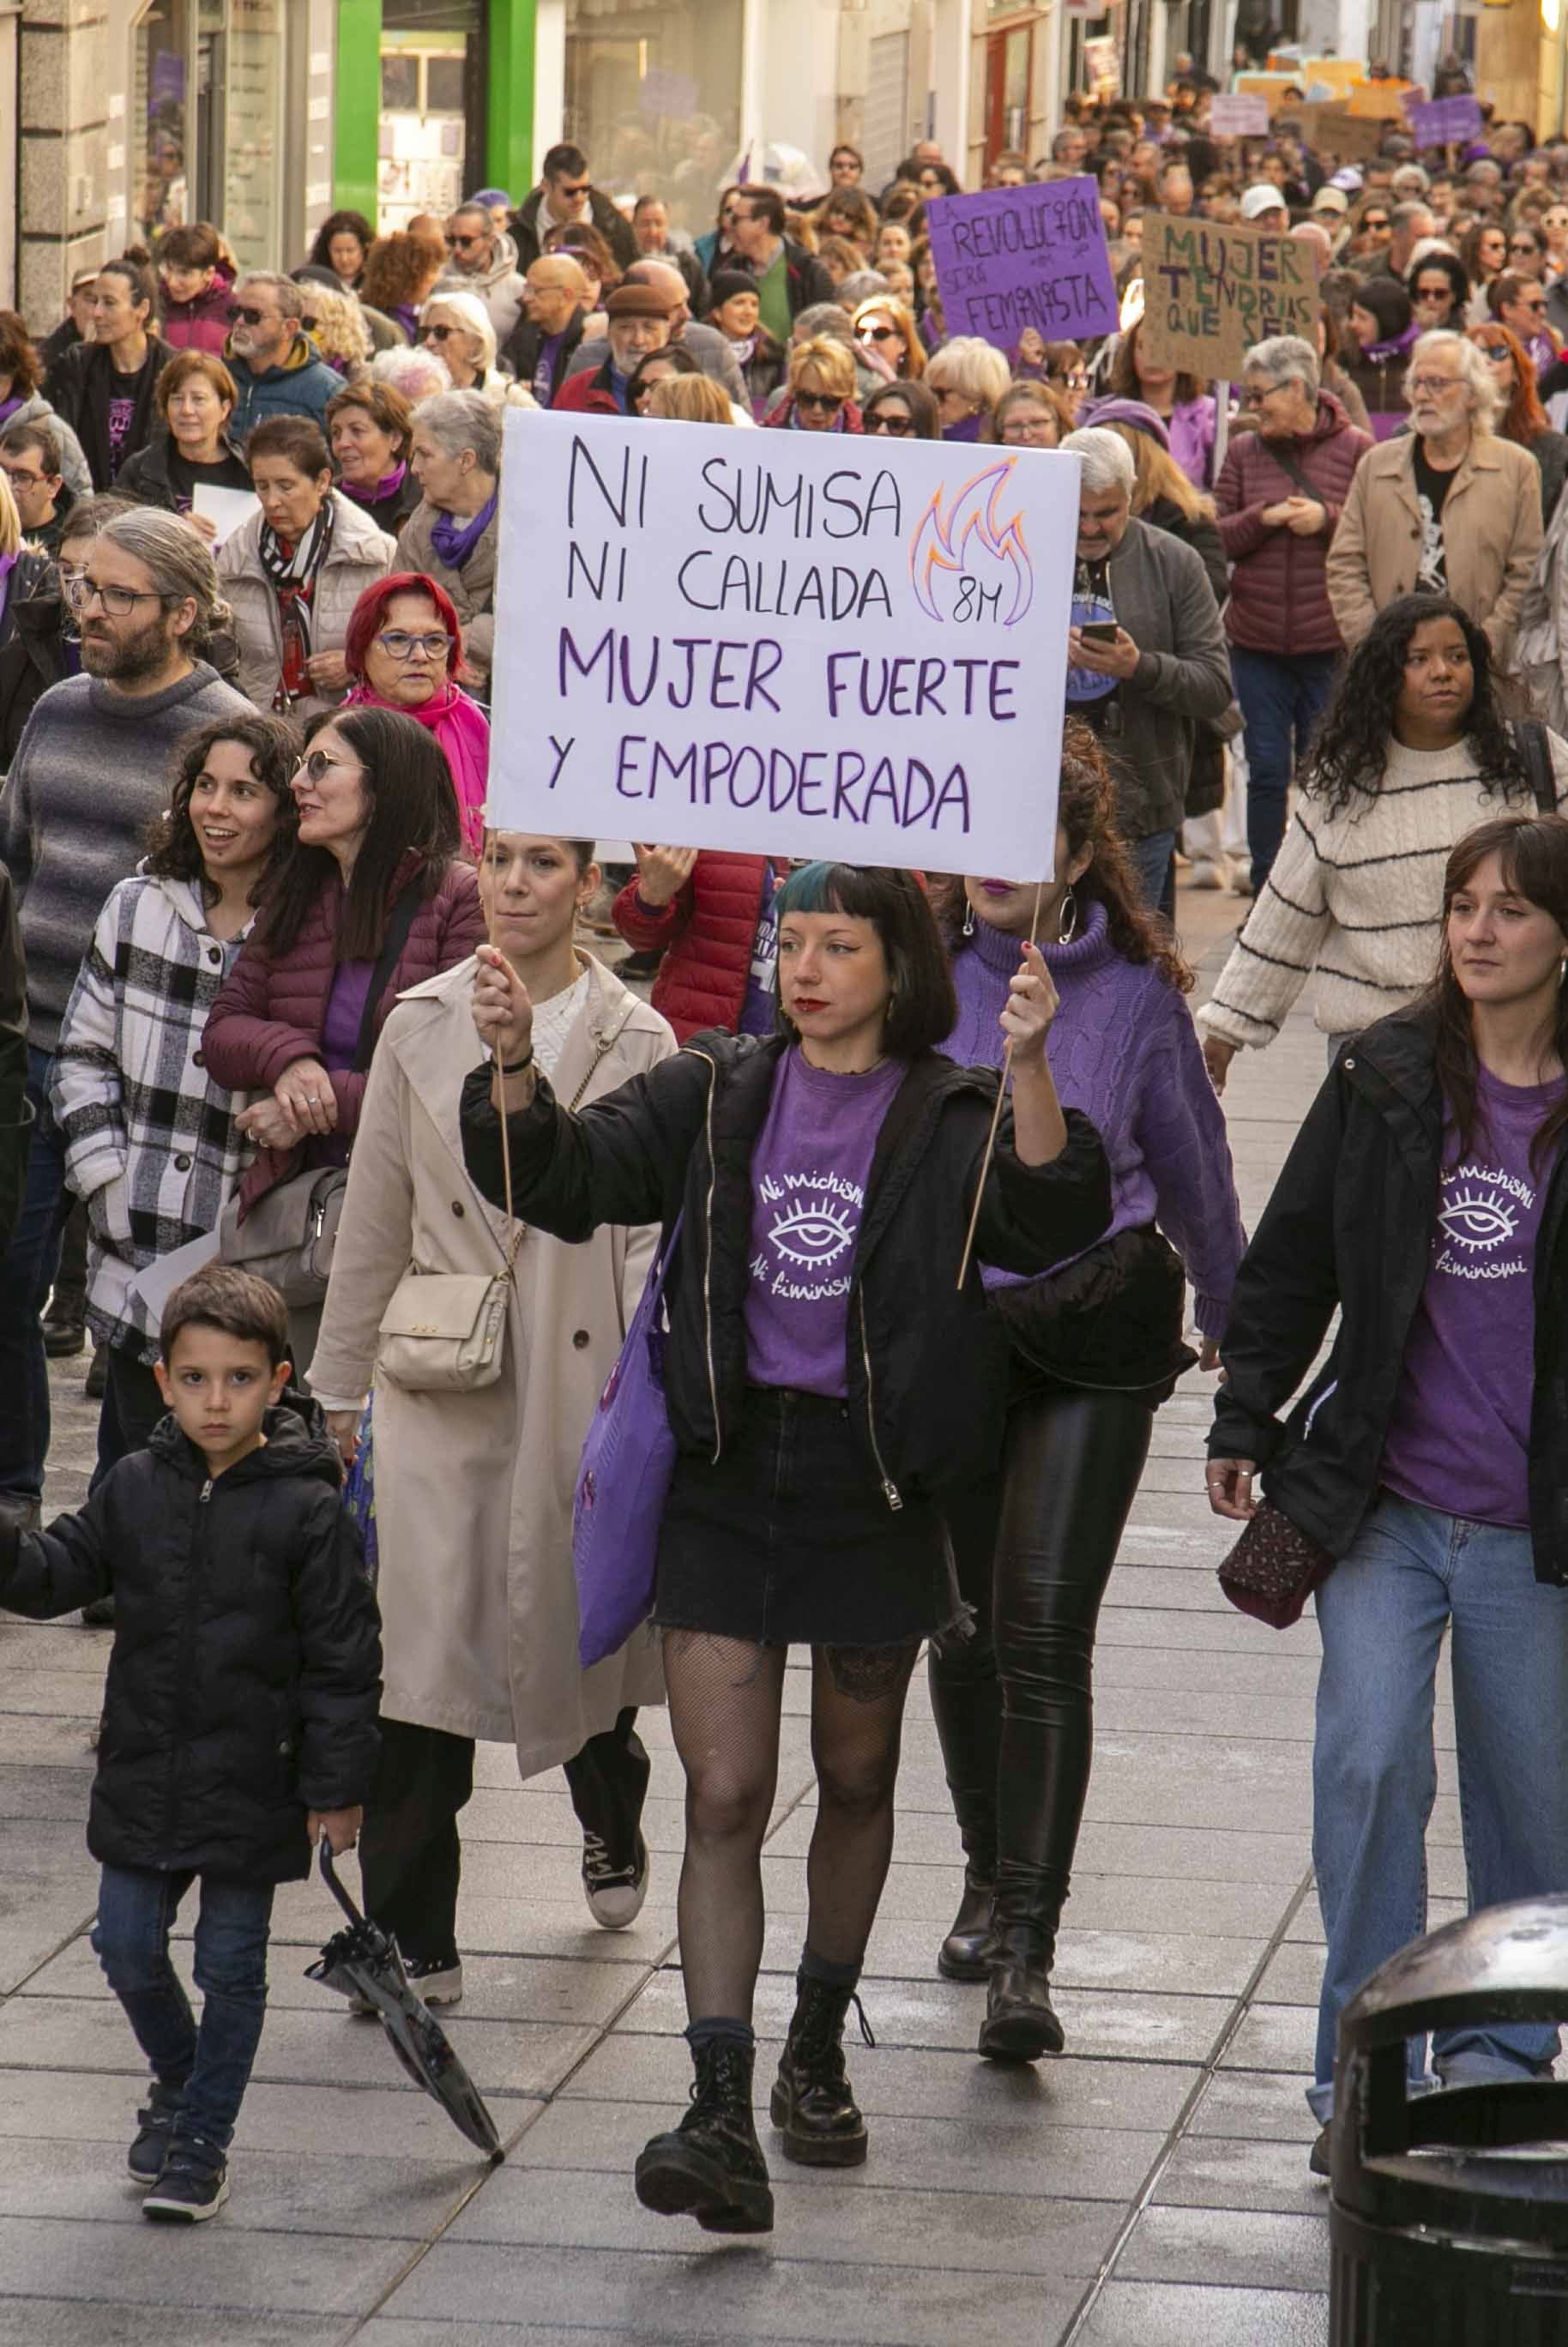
[
  {"x": 173, "y": 850},
  {"x": 399, "y": 272}
]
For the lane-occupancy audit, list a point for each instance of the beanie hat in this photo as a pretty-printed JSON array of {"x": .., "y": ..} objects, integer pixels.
[
  {"x": 725, "y": 284},
  {"x": 1135, "y": 413}
]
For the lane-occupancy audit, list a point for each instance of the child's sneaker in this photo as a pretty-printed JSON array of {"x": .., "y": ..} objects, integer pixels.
[
  {"x": 155, "y": 2127},
  {"x": 193, "y": 2186}
]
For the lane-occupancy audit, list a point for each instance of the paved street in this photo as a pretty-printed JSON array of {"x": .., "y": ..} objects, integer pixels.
[{"x": 1148, "y": 2190}]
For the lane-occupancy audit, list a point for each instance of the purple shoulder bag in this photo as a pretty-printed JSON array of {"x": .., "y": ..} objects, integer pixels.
[{"x": 623, "y": 1479}]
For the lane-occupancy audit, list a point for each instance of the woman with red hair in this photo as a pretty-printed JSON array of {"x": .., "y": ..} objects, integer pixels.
[
  {"x": 403, "y": 649},
  {"x": 1524, "y": 419}
]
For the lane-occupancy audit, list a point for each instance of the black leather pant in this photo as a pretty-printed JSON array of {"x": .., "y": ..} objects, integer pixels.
[{"x": 1014, "y": 1706}]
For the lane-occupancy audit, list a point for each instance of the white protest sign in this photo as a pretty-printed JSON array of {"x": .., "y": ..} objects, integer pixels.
[
  {"x": 227, "y": 510},
  {"x": 1239, "y": 114},
  {"x": 816, "y": 644}
]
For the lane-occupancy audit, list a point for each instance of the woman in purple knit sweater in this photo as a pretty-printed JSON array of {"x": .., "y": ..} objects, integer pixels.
[{"x": 1096, "y": 1347}]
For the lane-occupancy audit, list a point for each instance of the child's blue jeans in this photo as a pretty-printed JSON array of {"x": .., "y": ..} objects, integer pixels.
[{"x": 207, "y": 2067}]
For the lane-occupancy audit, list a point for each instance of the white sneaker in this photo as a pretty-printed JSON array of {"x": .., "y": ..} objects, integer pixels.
[
  {"x": 1207, "y": 875},
  {"x": 432, "y": 1979},
  {"x": 615, "y": 1892}
]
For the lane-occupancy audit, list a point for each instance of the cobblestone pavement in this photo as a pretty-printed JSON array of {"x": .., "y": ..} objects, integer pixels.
[{"x": 1148, "y": 2190}]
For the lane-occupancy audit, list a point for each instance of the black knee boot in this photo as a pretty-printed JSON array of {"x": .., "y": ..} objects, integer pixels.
[
  {"x": 812, "y": 2103},
  {"x": 1021, "y": 2023},
  {"x": 711, "y": 2167},
  {"x": 968, "y": 1711}
]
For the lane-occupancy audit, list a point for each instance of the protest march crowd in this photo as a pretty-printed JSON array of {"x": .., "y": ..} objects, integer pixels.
[{"x": 363, "y": 1147}]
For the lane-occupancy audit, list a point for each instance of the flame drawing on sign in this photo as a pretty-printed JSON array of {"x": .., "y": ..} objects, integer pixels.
[{"x": 972, "y": 526}]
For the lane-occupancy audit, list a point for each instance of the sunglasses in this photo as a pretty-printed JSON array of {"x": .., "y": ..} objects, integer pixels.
[
  {"x": 880, "y": 335},
  {"x": 902, "y": 427},
  {"x": 825, "y": 403},
  {"x": 1525, "y": 244},
  {"x": 574, "y": 187},
  {"x": 238, "y": 309},
  {"x": 440, "y": 334},
  {"x": 463, "y": 243},
  {"x": 318, "y": 765}
]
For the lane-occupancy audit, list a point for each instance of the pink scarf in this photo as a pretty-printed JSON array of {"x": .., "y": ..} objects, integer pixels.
[{"x": 462, "y": 729}]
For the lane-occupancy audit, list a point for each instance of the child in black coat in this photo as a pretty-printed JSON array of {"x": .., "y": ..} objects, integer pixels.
[{"x": 240, "y": 1714}]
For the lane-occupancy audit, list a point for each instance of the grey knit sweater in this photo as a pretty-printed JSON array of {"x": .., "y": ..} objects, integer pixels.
[{"x": 91, "y": 770}]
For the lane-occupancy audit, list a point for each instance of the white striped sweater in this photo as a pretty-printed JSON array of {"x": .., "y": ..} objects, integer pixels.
[{"x": 1355, "y": 900}]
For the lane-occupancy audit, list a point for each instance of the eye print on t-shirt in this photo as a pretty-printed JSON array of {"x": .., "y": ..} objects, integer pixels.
[
  {"x": 809, "y": 1235},
  {"x": 1479, "y": 1215}
]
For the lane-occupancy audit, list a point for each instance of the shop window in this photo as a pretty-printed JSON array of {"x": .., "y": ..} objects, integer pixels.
[
  {"x": 207, "y": 96},
  {"x": 653, "y": 96}
]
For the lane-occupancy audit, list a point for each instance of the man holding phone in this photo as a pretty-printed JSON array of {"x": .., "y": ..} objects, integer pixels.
[{"x": 1146, "y": 655}]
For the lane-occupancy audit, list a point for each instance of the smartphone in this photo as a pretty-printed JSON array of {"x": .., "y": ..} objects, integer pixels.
[{"x": 1099, "y": 631}]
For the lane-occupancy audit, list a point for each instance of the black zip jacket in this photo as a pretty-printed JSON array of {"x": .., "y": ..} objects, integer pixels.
[
  {"x": 926, "y": 1364},
  {"x": 79, "y": 388},
  {"x": 246, "y": 1670},
  {"x": 1350, "y": 1227},
  {"x": 16, "y": 1109}
]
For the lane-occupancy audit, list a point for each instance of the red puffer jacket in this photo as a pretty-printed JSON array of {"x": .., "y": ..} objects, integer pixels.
[
  {"x": 707, "y": 932},
  {"x": 1279, "y": 598},
  {"x": 272, "y": 1012}
]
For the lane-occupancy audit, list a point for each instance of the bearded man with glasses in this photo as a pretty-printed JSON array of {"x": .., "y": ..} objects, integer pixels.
[
  {"x": 90, "y": 772},
  {"x": 1447, "y": 506}
]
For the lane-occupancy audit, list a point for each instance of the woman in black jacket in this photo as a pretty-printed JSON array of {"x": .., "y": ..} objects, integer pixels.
[
  {"x": 818, "y": 1333},
  {"x": 1426, "y": 1199},
  {"x": 104, "y": 389}
]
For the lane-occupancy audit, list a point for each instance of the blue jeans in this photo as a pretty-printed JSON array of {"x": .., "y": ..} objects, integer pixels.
[
  {"x": 1381, "y": 1615},
  {"x": 1151, "y": 860},
  {"x": 27, "y": 1271},
  {"x": 1282, "y": 696},
  {"x": 207, "y": 2069}
]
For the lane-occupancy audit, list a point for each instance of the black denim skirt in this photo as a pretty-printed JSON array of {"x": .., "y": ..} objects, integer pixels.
[{"x": 788, "y": 1540}]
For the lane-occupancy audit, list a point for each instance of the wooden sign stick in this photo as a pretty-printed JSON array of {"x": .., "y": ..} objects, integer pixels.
[
  {"x": 505, "y": 1143},
  {"x": 996, "y": 1118}
]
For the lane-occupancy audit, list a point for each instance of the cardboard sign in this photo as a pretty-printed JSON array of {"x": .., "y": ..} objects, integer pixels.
[
  {"x": 1380, "y": 101},
  {"x": 1239, "y": 114},
  {"x": 1271, "y": 88},
  {"x": 1102, "y": 63},
  {"x": 1018, "y": 257},
  {"x": 782, "y": 642},
  {"x": 1210, "y": 293},
  {"x": 1348, "y": 137},
  {"x": 1444, "y": 121}
]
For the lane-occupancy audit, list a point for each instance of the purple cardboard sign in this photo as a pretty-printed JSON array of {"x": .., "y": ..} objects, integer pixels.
[
  {"x": 1019, "y": 257},
  {"x": 1444, "y": 121}
]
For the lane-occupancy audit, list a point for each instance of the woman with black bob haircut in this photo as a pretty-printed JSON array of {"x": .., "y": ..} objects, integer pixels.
[
  {"x": 1412, "y": 752},
  {"x": 375, "y": 865},
  {"x": 822, "y": 1178},
  {"x": 1425, "y": 1202},
  {"x": 1096, "y": 1348}
]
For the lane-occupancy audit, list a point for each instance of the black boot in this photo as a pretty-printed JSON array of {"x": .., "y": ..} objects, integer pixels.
[
  {"x": 965, "y": 1954},
  {"x": 711, "y": 2167},
  {"x": 811, "y": 2103},
  {"x": 1020, "y": 2024},
  {"x": 965, "y": 1702}
]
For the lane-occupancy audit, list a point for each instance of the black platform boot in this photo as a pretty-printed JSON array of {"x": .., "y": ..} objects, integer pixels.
[
  {"x": 1021, "y": 2023},
  {"x": 711, "y": 2167},
  {"x": 812, "y": 2104}
]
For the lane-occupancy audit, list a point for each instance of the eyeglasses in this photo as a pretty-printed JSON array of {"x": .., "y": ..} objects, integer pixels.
[
  {"x": 238, "y": 309},
  {"x": 1434, "y": 293},
  {"x": 1525, "y": 244},
  {"x": 823, "y": 403},
  {"x": 1256, "y": 398},
  {"x": 1027, "y": 431},
  {"x": 1534, "y": 308},
  {"x": 319, "y": 764},
  {"x": 1435, "y": 387},
  {"x": 902, "y": 427},
  {"x": 399, "y": 645},
  {"x": 22, "y": 477},
  {"x": 1077, "y": 380},
  {"x": 80, "y": 591}
]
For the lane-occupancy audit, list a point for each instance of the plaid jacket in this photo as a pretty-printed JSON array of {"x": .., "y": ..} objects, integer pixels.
[{"x": 150, "y": 1142}]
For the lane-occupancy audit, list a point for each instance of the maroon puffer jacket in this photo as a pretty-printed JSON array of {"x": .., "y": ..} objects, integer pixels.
[
  {"x": 707, "y": 932},
  {"x": 1279, "y": 600},
  {"x": 270, "y": 1012}
]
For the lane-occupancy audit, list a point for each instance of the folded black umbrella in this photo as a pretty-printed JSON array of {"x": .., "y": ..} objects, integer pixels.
[{"x": 363, "y": 1962}]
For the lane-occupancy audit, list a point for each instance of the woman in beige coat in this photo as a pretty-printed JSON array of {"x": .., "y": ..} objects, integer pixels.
[
  {"x": 474, "y": 1489},
  {"x": 294, "y": 571}
]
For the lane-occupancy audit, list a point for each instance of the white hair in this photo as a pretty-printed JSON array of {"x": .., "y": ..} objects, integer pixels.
[
  {"x": 1107, "y": 459},
  {"x": 973, "y": 368},
  {"x": 470, "y": 314},
  {"x": 457, "y": 420},
  {"x": 1285, "y": 358},
  {"x": 418, "y": 374},
  {"x": 1486, "y": 402}
]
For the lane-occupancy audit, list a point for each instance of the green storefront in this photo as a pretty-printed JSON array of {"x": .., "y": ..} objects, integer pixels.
[{"x": 433, "y": 98}]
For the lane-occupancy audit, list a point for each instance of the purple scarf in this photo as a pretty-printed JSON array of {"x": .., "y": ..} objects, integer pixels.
[
  {"x": 455, "y": 540},
  {"x": 8, "y": 408},
  {"x": 387, "y": 487},
  {"x": 969, "y": 429}
]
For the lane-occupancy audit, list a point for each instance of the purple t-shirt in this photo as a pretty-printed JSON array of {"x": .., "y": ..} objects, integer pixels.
[
  {"x": 1459, "y": 1439},
  {"x": 809, "y": 1170},
  {"x": 762, "y": 973},
  {"x": 544, "y": 370}
]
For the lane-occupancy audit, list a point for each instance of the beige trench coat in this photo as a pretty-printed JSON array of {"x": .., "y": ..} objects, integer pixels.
[{"x": 473, "y": 1491}]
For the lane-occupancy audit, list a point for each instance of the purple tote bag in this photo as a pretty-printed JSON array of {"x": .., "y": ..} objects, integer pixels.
[{"x": 623, "y": 1481}]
